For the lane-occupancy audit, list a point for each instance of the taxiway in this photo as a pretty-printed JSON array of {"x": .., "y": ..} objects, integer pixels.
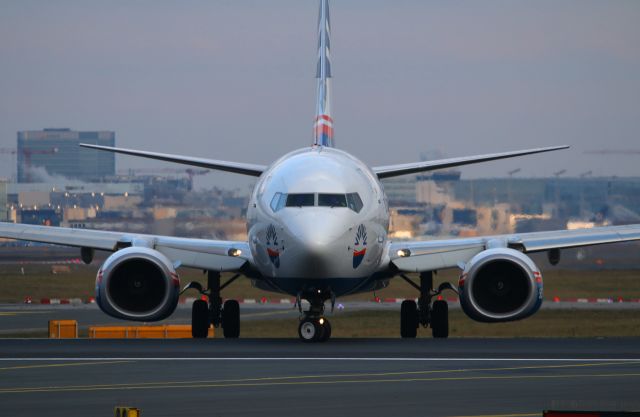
[{"x": 381, "y": 377}]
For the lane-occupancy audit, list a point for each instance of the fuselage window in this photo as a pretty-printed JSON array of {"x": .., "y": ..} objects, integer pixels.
[
  {"x": 301, "y": 200},
  {"x": 332, "y": 200},
  {"x": 354, "y": 202}
]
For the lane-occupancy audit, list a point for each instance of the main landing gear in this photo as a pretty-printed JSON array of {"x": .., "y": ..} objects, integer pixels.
[
  {"x": 214, "y": 312},
  {"x": 425, "y": 312},
  {"x": 314, "y": 327}
]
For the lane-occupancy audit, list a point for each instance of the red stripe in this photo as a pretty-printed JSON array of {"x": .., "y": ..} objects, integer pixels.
[
  {"x": 324, "y": 130},
  {"x": 359, "y": 253},
  {"x": 325, "y": 117}
]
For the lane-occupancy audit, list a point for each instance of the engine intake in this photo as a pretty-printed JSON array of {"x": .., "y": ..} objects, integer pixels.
[
  {"x": 137, "y": 283},
  {"x": 500, "y": 284}
]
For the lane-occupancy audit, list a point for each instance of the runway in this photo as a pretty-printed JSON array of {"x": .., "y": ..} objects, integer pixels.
[{"x": 381, "y": 377}]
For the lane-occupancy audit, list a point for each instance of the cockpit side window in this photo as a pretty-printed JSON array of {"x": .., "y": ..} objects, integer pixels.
[
  {"x": 277, "y": 202},
  {"x": 300, "y": 200},
  {"x": 354, "y": 202},
  {"x": 332, "y": 200}
]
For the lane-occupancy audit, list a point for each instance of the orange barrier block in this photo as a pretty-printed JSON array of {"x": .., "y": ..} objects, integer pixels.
[
  {"x": 169, "y": 331},
  {"x": 63, "y": 329}
]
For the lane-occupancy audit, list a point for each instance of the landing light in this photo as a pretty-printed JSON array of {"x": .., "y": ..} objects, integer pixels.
[
  {"x": 234, "y": 252},
  {"x": 321, "y": 321},
  {"x": 404, "y": 253}
]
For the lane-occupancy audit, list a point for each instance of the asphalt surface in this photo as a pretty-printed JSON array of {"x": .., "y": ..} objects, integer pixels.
[
  {"x": 32, "y": 319},
  {"x": 454, "y": 377}
]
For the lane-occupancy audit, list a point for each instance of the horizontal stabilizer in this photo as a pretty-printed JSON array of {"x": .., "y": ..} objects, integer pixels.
[
  {"x": 236, "y": 167},
  {"x": 411, "y": 168}
]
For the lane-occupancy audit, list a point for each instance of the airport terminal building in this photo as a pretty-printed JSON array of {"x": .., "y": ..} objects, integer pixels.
[{"x": 47, "y": 153}]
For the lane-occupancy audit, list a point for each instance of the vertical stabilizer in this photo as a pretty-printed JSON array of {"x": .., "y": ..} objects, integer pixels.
[{"x": 323, "y": 126}]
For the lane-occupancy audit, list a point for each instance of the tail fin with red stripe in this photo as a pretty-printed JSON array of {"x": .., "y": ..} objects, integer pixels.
[{"x": 323, "y": 126}]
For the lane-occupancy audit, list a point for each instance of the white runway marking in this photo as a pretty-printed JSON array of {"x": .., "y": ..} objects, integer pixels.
[{"x": 377, "y": 359}]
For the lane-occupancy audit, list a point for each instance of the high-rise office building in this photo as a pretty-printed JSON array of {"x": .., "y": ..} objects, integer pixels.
[{"x": 47, "y": 153}]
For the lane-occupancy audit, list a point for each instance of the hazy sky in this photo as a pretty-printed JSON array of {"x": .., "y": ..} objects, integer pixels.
[{"x": 234, "y": 79}]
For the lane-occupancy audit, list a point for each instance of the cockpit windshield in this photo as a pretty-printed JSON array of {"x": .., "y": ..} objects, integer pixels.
[
  {"x": 332, "y": 200},
  {"x": 300, "y": 200},
  {"x": 351, "y": 201}
]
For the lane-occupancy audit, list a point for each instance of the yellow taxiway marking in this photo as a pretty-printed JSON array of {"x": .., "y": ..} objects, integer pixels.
[
  {"x": 298, "y": 383},
  {"x": 61, "y": 365},
  {"x": 304, "y": 379},
  {"x": 16, "y": 313}
]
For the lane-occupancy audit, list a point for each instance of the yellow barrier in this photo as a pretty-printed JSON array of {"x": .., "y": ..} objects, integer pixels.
[
  {"x": 63, "y": 329},
  {"x": 168, "y": 331},
  {"x": 126, "y": 412}
]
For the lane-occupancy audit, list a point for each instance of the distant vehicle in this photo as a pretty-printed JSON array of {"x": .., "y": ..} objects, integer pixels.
[{"x": 317, "y": 224}]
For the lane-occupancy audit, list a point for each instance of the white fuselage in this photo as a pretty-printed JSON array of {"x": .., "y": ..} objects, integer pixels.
[{"x": 318, "y": 219}]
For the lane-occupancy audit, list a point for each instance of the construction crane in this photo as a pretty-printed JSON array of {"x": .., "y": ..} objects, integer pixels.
[
  {"x": 513, "y": 171},
  {"x": 189, "y": 172}
]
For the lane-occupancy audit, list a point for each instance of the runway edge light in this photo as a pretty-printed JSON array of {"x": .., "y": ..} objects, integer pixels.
[{"x": 126, "y": 412}]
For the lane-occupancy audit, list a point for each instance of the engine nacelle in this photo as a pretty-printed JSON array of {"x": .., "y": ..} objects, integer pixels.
[
  {"x": 137, "y": 283},
  {"x": 500, "y": 284}
]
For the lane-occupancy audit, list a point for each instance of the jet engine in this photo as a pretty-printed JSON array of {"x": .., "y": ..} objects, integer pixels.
[
  {"x": 500, "y": 284},
  {"x": 137, "y": 283}
]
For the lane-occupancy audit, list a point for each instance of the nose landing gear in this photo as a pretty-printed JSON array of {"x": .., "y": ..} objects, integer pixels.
[
  {"x": 314, "y": 327},
  {"x": 425, "y": 312}
]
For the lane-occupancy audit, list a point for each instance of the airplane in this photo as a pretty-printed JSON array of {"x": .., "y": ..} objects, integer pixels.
[{"x": 318, "y": 229}]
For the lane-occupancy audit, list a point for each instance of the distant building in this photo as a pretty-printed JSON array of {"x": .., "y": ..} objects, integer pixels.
[
  {"x": 3, "y": 201},
  {"x": 43, "y": 154}
]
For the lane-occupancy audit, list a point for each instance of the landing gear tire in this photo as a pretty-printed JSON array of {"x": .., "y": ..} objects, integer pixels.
[
  {"x": 199, "y": 319},
  {"x": 309, "y": 330},
  {"x": 440, "y": 319},
  {"x": 231, "y": 319},
  {"x": 408, "y": 319}
]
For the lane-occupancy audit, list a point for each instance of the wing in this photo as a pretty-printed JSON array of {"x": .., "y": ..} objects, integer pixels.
[
  {"x": 448, "y": 253},
  {"x": 195, "y": 253},
  {"x": 236, "y": 167},
  {"x": 402, "y": 169}
]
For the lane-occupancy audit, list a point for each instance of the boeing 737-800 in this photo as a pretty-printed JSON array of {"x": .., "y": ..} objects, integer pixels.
[{"x": 317, "y": 224}]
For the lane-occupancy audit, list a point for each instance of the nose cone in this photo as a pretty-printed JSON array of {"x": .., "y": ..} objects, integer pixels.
[
  {"x": 316, "y": 230},
  {"x": 317, "y": 240}
]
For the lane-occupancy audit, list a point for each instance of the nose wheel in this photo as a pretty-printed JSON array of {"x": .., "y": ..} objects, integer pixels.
[{"x": 314, "y": 329}]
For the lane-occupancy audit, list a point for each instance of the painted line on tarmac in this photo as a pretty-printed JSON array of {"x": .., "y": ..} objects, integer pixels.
[
  {"x": 336, "y": 376},
  {"x": 328, "y": 359},
  {"x": 61, "y": 365},
  {"x": 22, "y": 390},
  {"x": 16, "y": 313}
]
